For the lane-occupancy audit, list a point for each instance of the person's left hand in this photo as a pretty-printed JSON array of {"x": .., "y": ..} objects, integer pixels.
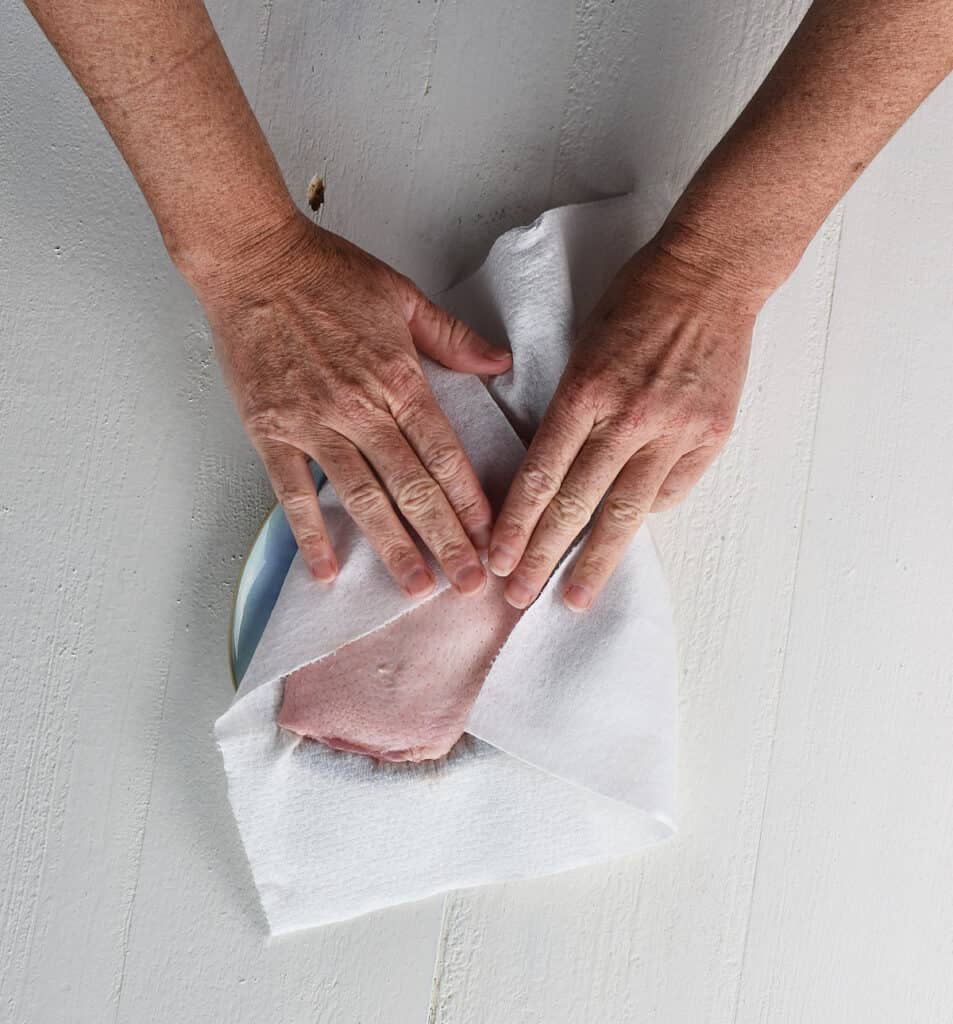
[{"x": 647, "y": 400}]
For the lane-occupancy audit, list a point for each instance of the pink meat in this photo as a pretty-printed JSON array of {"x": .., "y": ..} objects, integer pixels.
[{"x": 403, "y": 693}]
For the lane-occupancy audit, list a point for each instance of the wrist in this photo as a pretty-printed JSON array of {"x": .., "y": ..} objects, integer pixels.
[
  {"x": 729, "y": 270},
  {"x": 687, "y": 270},
  {"x": 217, "y": 249},
  {"x": 744, "y": 231}
]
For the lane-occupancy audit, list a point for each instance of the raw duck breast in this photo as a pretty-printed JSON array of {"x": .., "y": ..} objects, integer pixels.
[{"x": 404, "y": 692}]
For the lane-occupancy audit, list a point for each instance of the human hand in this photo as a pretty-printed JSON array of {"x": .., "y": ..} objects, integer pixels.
[
  {"x": 318, "y": 341},
  {"x": 645, "y": 403}
]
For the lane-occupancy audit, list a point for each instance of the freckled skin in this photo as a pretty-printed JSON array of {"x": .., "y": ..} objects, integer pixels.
[
  {"x": 345, "y": 386},
  {"x": 318, "y": 339},
  {"x": 651, "y": 391}
]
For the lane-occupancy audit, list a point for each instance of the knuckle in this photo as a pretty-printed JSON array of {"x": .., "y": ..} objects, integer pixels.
[
  {"x": 623, "y": 514},
  {"x": 401, "y": 373},
  {"x": 617, "y": 436},
  {"x": 269, "y": 422},
  {"x": 569, "y": 511},
  {"x": 381, "y": 437},
  {"x": 451, "y": 552},
  {"x": 717, "y": 429},
  {"x": 297, "y": 504},
  {"x": 538, "y": 482},
  {"x": 396, "y": 553},
  {"x": 407, "y": 402},
  {"x": 510, "y": 531},
  {"x": 618, "y": 429},
  {"x": 353, "y": 404},
  {"x": 635, "y": 419},
  {"x": 416, "y": 495},
  {"x": 363, "y": 500},
  {"x": 445, "y": 460}
]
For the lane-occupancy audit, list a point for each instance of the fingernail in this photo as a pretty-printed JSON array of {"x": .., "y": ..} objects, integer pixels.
[
  {"x": 470, "y": 580},
  {"x": 418, "y": 582},
  {"x": 481, "y": 538},
  {"x": 323, "y": 569},
  {"x": 498, "y": 355},
  {"x": 578, "y": 597},
  {"x": 502, "y": 560},
  {"x": 518, "y": 594}
]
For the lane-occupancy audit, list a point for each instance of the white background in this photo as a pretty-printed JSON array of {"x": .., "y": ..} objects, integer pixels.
[{"x": 811, "y": 877}]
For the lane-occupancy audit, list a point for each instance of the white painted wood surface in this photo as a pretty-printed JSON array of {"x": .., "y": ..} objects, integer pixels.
[{"x": 810, "y": 879}]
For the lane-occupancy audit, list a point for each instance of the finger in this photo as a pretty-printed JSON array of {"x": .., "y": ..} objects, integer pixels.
[
  {"x": 548, "y": 458},
  {"x": 369, "y": 506},
  {"x": 424, "y": 425},
  {"x": 591, "y": 474},
  {"x": 423, "y": 503},
  {"x": 684, "y": 475},
  {"x": 623, "y": 512},
  {"x": 448, "y": 340},
  {"x": 294, "y": 488}
]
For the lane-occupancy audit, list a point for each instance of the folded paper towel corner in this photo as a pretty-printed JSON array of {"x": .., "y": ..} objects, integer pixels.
[{"x": 568, "y": 756}]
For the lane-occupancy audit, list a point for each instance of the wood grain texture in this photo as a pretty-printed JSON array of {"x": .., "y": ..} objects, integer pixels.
[
  {"x": 810, "y": 569},
  {"x": 100, "y": 392},
  {"x": 661, "y": 936},
  {"x": 811, "y": 573},
  {"x": 852, "y": 915},
  {"x": 129, "y": 499}
]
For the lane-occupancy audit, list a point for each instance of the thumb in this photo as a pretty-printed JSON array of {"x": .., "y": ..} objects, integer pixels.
[{"x": 448, "y": 340}]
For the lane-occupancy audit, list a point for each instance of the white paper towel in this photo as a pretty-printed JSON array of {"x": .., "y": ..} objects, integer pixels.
[{"x": 570, "y": 752}]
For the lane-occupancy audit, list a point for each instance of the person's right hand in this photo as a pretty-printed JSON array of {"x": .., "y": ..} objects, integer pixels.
[{"x": 318, "y": 341}]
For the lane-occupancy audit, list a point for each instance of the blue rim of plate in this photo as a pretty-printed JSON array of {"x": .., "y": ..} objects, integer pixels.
[{"x": 263, "y": 572}]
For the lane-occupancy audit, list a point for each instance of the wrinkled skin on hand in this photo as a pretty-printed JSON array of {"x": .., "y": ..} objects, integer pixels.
[
  {"x": 646, "y": 402},
  {"x": 318, "y": 341}
]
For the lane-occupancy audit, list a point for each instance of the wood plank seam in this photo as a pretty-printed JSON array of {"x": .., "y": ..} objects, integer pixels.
[
  {"x": 836, "y": 223},
  {"x": 439, "y": 959},
  {"x": 141, "y": 840}
]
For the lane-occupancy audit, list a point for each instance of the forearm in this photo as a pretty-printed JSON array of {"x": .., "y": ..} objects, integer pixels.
[
  {"x": 852, "y": 74},
  {"x": 157, "y": 75}
]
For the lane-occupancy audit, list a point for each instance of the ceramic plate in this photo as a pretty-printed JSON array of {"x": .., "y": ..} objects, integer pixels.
[{"x": 265, "y": 568}]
